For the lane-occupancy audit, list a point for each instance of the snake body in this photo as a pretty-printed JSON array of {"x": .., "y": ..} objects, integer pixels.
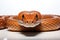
[{"x": 30, "y": 22}]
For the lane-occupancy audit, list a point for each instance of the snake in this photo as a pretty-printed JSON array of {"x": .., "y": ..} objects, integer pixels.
[{"x": 30, "y": 21}]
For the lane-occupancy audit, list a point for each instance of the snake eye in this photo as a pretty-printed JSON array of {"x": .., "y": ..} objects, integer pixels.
[
  {"x": 36, "y": 17},
  {"x": 22, "y": 17}
]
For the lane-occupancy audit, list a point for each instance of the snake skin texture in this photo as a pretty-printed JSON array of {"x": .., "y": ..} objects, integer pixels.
[
  {"x": 12, "y": 24},
  {"x": 2, "y": 22},
  {"x": 47, "y": 22}
]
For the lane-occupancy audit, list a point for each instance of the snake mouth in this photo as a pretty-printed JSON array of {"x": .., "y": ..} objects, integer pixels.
[{"x": 29, "y": 25}]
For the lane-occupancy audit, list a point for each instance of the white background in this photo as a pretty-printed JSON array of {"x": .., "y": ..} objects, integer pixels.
[{"x": 13, "y": 7}]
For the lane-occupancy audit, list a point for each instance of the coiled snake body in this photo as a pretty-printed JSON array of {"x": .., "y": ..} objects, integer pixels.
[{"x": 30, "y": 21}]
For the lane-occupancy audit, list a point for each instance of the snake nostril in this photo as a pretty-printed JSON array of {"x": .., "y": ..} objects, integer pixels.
[
  {"x": 27, "y": 21},
  {"x": 32, "y": 21}
]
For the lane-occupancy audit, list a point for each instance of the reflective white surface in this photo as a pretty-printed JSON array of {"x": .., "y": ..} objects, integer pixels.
[
  {"x": 34, "y": 35},
  {"x": 29, "y": 35}
]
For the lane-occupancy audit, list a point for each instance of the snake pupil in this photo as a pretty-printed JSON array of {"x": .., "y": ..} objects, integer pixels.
[
  {"x": 22, "y": 17},
  {"x": 36, "y": 17}
]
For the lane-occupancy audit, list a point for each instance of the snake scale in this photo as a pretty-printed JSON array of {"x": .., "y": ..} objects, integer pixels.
[{"x": 30, "y": 21}]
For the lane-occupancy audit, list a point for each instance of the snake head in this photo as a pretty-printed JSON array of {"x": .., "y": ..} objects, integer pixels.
[{"x": 29, "y": 18}]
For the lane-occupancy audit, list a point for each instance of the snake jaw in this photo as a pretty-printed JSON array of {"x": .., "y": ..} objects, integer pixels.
[{"x": 29, "y": 25}]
